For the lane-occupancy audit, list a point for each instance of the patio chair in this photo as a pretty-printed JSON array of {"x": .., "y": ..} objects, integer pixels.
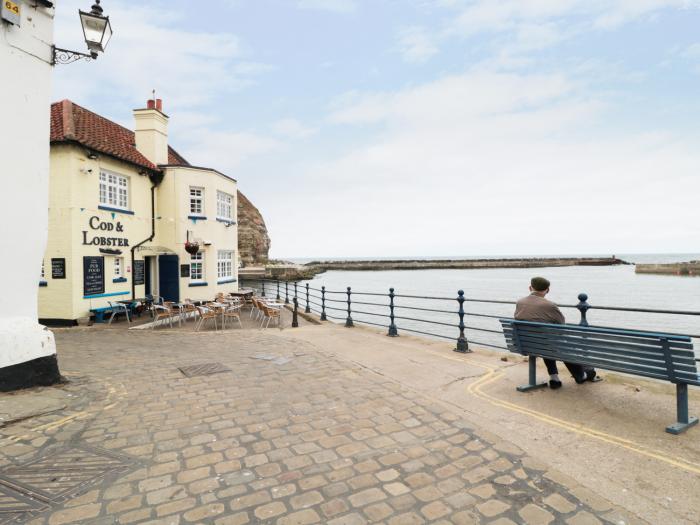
[
  {"x": 118, "y": 308},
  {"x": 232, "y": 312},
  {"x": 189, "y": 310},
  {"x": 269, "y": 314},
  {"x": 206, "y": 314},
  {"x": 161, "y": 313}
]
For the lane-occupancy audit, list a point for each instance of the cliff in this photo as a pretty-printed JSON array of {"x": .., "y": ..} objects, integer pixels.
[{"x": 253, "y": 240}]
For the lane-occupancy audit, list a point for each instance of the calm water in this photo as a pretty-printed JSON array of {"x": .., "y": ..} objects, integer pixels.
[{"x": 605, "y": 286}]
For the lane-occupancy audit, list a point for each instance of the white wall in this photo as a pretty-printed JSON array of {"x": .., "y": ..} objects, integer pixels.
[{"x": 25, "y": 73}]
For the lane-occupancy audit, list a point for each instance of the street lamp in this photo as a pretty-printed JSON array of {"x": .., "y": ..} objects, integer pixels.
[{"x": 97, "y": 31}]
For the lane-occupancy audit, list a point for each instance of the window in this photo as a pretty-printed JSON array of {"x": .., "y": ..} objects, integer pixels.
[
  {"x": 114, "y": 190},
  {"x": 225, "y": 265},
  {"x": 196, "y": 201},
  {"x": 118, "y": 266},
  {"x": 224, "y": 205},
  {"x": 197, "y": 267}
]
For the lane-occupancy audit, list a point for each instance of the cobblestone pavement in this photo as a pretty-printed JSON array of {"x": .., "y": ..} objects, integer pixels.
[{"x": 288, "y": 435}]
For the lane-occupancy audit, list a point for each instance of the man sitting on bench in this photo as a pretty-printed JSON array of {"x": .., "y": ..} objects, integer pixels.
[{"x": 536, "y": 308}]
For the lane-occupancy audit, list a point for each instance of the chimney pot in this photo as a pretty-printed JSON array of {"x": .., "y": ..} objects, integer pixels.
[
  {"x": 151, "y": 104},
  {"x": 159, "y": 104}
]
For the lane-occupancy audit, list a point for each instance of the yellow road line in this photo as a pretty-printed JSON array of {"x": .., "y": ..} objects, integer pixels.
[{"x": 492, "y": 374}]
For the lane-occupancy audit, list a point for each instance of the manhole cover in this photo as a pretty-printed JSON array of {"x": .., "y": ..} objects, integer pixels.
[
  {"x": 60, "y": 473},
  {"x": 205, "y": 369}
]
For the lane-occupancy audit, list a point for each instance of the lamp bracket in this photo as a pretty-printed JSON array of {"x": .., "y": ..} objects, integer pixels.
[{"x": 66, "y": 56}]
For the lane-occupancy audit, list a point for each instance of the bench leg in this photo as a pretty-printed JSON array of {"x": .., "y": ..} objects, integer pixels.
[
  {"x": 532, "y": 373},
  {"x": 684, "y": 421}
]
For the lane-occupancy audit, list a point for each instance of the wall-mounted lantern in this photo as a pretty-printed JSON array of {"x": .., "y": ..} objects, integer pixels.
[{"x": 97, "y": 32}]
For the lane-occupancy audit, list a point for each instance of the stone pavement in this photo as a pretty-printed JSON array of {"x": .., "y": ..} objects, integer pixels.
[{"x": 285, "y": 435}]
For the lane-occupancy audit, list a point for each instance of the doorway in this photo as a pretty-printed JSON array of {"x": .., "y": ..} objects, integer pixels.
[{"x": 169, "y": 278}]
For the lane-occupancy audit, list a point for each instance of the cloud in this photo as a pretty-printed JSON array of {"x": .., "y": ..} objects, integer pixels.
[
  {"x": 152, "y": 48},
  {"x": 292, "y": 128},
  {"x": 336, "y": 6},
  {"x": 489, "y": 162},
  {"x": 416, "y": 45},
  {"x": 225, "y": 150}
]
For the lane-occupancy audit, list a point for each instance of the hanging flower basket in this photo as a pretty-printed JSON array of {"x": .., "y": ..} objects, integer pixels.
[{"x": 191, "y": 247}]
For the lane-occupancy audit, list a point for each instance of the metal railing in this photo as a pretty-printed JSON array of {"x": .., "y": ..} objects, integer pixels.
[{"x": 449, "y": 314}]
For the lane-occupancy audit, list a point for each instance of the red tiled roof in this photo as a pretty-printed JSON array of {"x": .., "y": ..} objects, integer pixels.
[{"x": 73, "y": 123}]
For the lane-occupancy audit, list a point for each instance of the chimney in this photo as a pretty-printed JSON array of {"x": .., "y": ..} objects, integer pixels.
[{"x": 151, "y": 131}]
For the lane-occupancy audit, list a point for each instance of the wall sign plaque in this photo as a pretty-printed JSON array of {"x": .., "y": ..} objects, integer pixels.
[
  {"x": 58, "y": 268},
  {"x": 139, "y": 272},
  {"x": 184, "y": 270},
  {"x": 93, "y": 275}
]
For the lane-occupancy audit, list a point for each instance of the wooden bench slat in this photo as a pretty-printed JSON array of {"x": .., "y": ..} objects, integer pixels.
[
  {"x": 568, "y": 329},
  {"x": 608, "y": 353},
  {"x": 620, "y": 349}
]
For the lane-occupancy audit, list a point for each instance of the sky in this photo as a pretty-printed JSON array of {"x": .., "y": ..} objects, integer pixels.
[{"x": 389, "y": 128}]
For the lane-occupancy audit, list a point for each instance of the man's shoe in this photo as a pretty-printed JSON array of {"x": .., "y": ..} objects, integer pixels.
[
  {"x": 554, "y": 384},
  {"x": 591, "y": 376},
  {"x": 581, "y": 380}
]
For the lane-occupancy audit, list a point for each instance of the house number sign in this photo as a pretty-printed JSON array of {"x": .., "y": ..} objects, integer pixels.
[{"x": 11, "y": 11}]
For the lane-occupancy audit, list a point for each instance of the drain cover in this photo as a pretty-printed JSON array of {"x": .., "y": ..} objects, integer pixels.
[
  {"x": 59, "y": 473},
  {"x": 205, "y": 369}
]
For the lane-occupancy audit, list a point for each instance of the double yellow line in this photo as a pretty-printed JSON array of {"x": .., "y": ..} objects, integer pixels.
[{"x": 493, "y": 374}]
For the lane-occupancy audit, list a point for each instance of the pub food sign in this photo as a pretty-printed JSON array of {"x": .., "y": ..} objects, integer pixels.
[{"x": 93, "y": 275}]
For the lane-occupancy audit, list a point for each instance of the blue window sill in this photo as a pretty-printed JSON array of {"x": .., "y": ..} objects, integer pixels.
[
  {"x": 119, "y": 280},
  {"x": 197, "y": 217},
  {"x": 43, "y": 284},
  {"x": 115, "y": 210},
  {"x": 105, "y": 295},
  {"x": 225, "y": 281},
  {"x": 191, "y": 285},
  {"x": 225, "y": 221}
]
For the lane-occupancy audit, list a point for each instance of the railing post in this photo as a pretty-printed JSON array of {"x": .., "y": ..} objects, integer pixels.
[
  {"x": 323, "y": 303},
  {"x": 278, "y": 289},
  {"x": 263, "y": 287},
  {"x": 462, "y": 345},
  {"x": 286, "y": 292},
  {"x": 393, "y": 332},
  {"x": 348, "y": 321},
  {"x": 583, "y": 307},
  {"x": 307, "y": 310},
  {"x": 295, "y": 318},
  {"x": 295, "y": 289}
]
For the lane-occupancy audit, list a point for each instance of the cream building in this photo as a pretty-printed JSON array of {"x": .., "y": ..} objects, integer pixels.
[{"x": 122, "y": 205}]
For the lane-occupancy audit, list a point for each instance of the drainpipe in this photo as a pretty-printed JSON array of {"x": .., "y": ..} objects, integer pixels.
[{"x": 156, "y": 179}]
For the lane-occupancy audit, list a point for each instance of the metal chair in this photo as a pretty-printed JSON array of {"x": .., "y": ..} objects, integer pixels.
[{"x": 118, "y": 308}]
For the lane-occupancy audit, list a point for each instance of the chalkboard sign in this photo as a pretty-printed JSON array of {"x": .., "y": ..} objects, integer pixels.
[
  {"x": 139, "y": 272},
  {"x": 58, "y": 268},
  {"x": 93, "y": 276},
  {"x": 184, "y": 270}
]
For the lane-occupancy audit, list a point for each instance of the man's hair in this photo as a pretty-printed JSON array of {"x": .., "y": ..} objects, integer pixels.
[{"x": 539, "y": 284}]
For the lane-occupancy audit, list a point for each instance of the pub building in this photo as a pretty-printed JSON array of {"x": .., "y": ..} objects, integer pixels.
[{"x": 123, "y": 205}]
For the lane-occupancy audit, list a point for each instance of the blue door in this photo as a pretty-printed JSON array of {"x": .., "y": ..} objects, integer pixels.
[{"x": 169, "y": 278}]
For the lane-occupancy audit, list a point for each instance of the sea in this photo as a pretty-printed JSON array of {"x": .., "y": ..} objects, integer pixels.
[{"x": 436, "y": 317}]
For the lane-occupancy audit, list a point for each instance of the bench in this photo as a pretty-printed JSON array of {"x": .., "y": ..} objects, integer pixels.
[
  {"x": 667, "y": 357},
  {"x": 100, "y": 313}
]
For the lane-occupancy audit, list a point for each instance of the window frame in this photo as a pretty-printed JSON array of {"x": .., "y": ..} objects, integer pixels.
[
  {"x": 221, "y": 204},
  {"x": 118, "y": 188},
  {"x": 223, "y": 263},
  {"x": 200, "y": 258},
  {"x": 194, "y": 198},
  {"x": 118, "y": 267}
]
